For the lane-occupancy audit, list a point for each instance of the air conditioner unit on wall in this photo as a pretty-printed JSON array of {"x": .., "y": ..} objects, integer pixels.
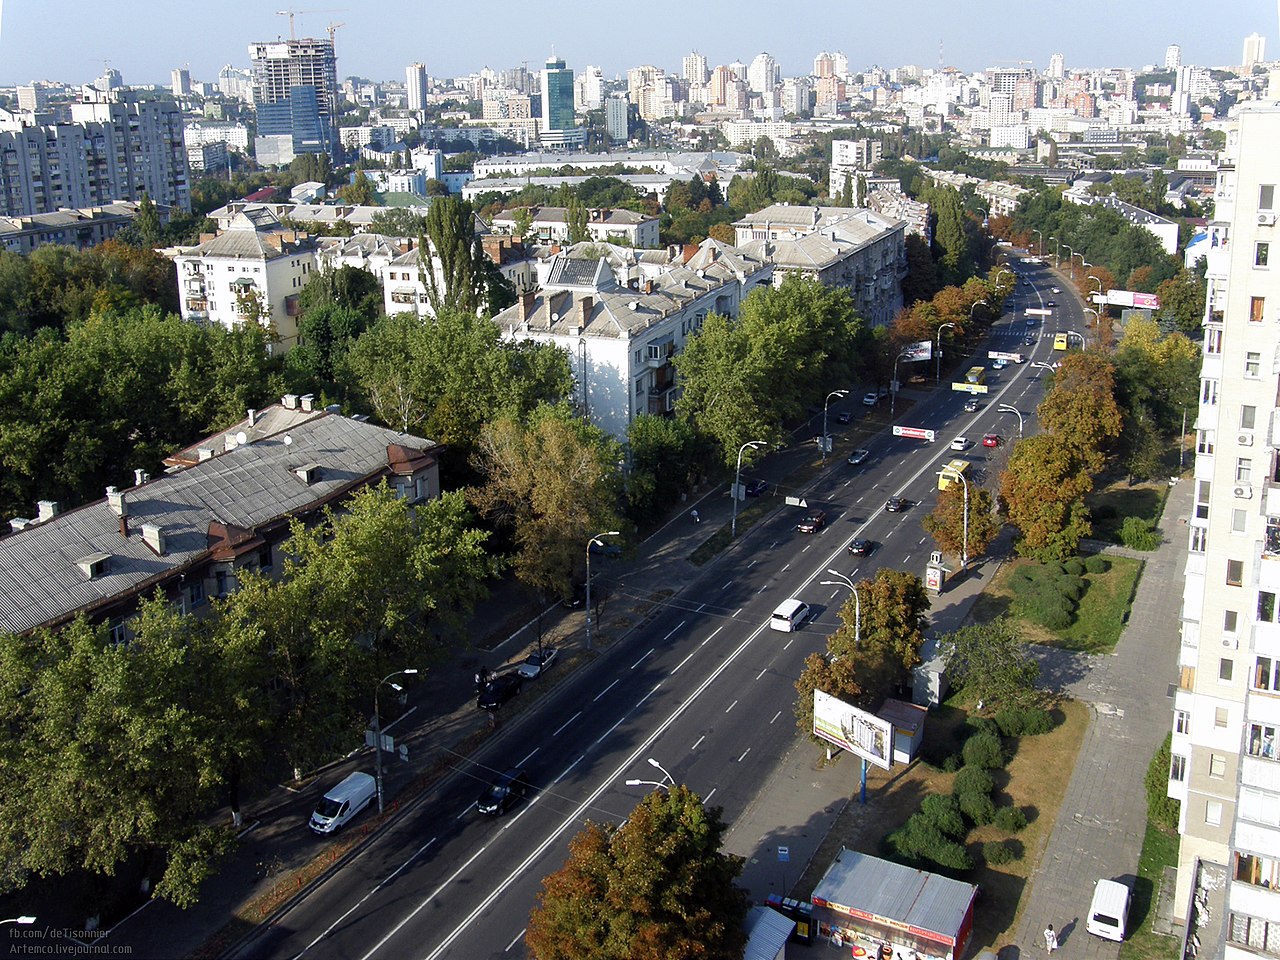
[
  {"x": 1245, "y": 439},
  {"x": 1266, "y": 219},
  {"x": 1243, "y": 491}
]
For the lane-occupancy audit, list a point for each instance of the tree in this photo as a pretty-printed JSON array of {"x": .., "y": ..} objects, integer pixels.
[
  {"x": 552, "y": 483},
  {"x": 1182, "y": 299},
  {"x": 921, "y": 281},
  {"x": 350, "y": 287},
  {"x": 946, "y": 523},
  {"x": 1043, "y": 491},
  {"x": 989, "y": 661},
  {"x": 1081, "y": 408},
  {"x": 656, "y": 887},
  {"x": 664, "y": 452},
  {"x": 395, "y": 222},
  {"x": 467, "y": 279},
  {"x": 522, "y": 225},
  {"x": 147, "y": 222},
  {"x": 576, "y": 220},
  {"x": 955, "y": 256},
  {"x": 359, "y": 191}
]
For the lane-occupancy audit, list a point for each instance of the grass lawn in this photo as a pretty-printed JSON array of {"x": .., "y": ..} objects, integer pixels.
[
  {"x": 1159, "y": 850},
  {"x": 1027, "y": 782},
  {"x": 1099, "y": 618},
  {"x": 1110, "y": 505}
]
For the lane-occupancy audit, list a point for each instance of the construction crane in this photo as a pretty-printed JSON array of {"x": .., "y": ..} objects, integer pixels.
[
  {"x": 291, "y": 13},
  {"x": 333, "y": 29}
]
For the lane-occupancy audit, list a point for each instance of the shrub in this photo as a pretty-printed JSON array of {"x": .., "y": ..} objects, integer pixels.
[
  {"x": 1070, "y": 587},
  {"x": 1035, "y": 721},
  {"x": 1051, "y": 568},
  {"x": 1011, "y": 722},
  {"x": 983, "y": 750},
  {"x": 1074, "y": 566},
  {"x": 953, "y": 763},
  {"x": 1010, "y": 819},
  {"x": 995, "y": 852},
  {"x": 952, "y": 855},
  {"x": 1048, "y": 608},
  {"x": 1138, "y": 533},
  {"x": 1096, "y": 565},
  {"x": 979, "y": 725},
  {"x": 978, "y": 807},
  {"x": 973, "y": 780},
  {"x": 1162, "y": 810},
  {"x": 943, "y": 812}
]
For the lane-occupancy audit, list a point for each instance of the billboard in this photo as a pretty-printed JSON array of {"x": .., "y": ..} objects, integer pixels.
[
  {"x": 969, "y": 387},
  {"x": 916, "y": 433},
  {"x": 921, "y": 350},
  {"x": 1130, "y": 298},
  {"x": 863, "y": 734}
]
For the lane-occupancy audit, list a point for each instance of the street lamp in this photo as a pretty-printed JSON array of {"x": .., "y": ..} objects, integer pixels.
[
  {"x": 1072, "y": 333},
  {"x": 1000, "y": 271},
  {"x": 667, "y": 777},
  {"x": 1094, "y": 312},
  {"x": 24, "y": 921},
  {"x": 377, "y": 723},
  {"x": 1039, "y": 242},
  {"x": 957, "y": 475},
  {"x": 594, "y": 541},
  {"x": 1006, "y": 408},
  {"x": 1070, "y": 256},
  {"x": 1055, "y": 250},
  {"x": 737, "y": 477},
  {"x": 938, "y": 350},
  {"x": 825, "y": 403},
  {"x": 893, "y": 397},
  {"x": 844, "y": 581}
]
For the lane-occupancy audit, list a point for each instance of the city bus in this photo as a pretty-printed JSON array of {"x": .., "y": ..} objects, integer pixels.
[
  {"x": 1059, "y": 341},
  {"x": 976, "y": 375},
  {"x": 948, "y": 474}
]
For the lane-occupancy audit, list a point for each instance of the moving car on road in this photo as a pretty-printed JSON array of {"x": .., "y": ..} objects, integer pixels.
[
  {"x": 991, "y": 440},
  {"x": 755, "y": 488},
  {"x": 862, "y": 548},
  {"x": 960, "y": 443},
  {"x": 857, "y": 457},
  {"x": 844, "y": 416},
  {"x": 970, "y": 406},
  {"x": 813, "y": 521},
  {"x": 504, "y": 792},
  {"x": 870, "y": 399},
  {"x": 897, "y": 504}
]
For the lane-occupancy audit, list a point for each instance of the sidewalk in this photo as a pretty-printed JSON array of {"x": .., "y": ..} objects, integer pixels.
[{"x": 1102, "y": 821}]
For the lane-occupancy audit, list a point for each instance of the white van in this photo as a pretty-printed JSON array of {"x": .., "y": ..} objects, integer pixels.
[
  {"x": 790, "y": 615},
  {"x": 1109, "y": 911},
  {"x": 343, "y": 802}
]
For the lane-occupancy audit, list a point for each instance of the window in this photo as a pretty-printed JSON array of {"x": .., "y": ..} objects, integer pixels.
[
  {"x": 1255, "y": 309},
  {"x": 1244, "y": 469},
  {"x": 1217, "y": 766},
  {"x": 1199, "y": 535},
  {"x": 1261, "y": 251},
  {"x": 1235, "y": 572},
  {"x": 1239, "y": 520},
  {"x": 1266, "y": 196},
  {"x": 119, "y": 633},
  {"x": 1202, "y": 499},
  {"x": 1261, "y": 935},
  {"x": 1213, "y": 341},
  {"x": 1213, "y": 813},
  {"x": 1262, "y": 741},
  {"x": 1209, "y": 392},
  {"x": 1224, "y": 669},
  {"x": 195, "y": 593},
  {"x": 1230, "y": 624},
  {"x": 1252, "y": 364},
  {"x": 264, "y": 558},
  {"x": 220, "y": 579},
  {"x": 1178, "y": 768},
  {"x": 1204, "y": 441},
  {"x": 1259, "y": 806},
  {"x": 1248, "y": 417},
  {"x": 1266, "y": 607},
  {"x": 1259, "y": 871},
  {"x": 1182, "y": 722},
  {"x": 1220, "y": 717},
  {"x": 1266, "y": 675}
]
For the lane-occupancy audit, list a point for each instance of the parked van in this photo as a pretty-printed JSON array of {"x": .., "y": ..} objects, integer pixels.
[
  {"x": 790, "y": 615},
  {"x": 343, "y": 802},
  {"x": 1109, "y": 911}
]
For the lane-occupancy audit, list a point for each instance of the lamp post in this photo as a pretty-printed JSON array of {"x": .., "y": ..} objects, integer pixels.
[
  {"x": 1072, "y": 333},
  {"x": 893, "y": 397},
  {"x": 1094, "y": 312},
  {"x": 1000, "y": 271},
  {"x": 844, "y": 581},
  {"x": 737, "y": 477},
  {"x": 825, "y": 403},
  {"x": 1070, "y": 257},
  {"x": 938, "y": 350},
  {"x": 1098, "y": 281},
  {"x": 955, "y": 475},
  {"x": 377, "y": 723},
  {"x": 1055, "y": 251},
  {"x": 1039, "y": 242},
  {"x": 1008, "y": 408},
  {"x": 23, "y": 921},
  {"x": 593, "y": 541}
]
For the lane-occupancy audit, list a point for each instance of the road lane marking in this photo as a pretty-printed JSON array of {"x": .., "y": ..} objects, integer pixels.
[
  {"x": 606, "y": 690},
  {"x": 469, "y": 808},
  {"x": 707, "y": 798},
  {"x": 602, "y": 736},
  {"x": 762, "y": 673},
  {"x": 685, "y": 660},
  {"x": 727, "y": 585},
  {"x": 516, "y": 940},
  {"x": 744, "y": 754},
  {"x": 566, "y": 723},
  {"x": 776, "y": 716},
  {"x": 710, "y": 638},
  {"x": 565, "y": 773},
  {"x": 642, "y": 659},
  {"x": 789, "y": 643},
  {"x": 787, "y": 567},
  {"x": 922, "y": 540},
  {"x": 833, "y": 594},
  {"x": 730, "y": 706},
  {"x": 699, "y": 740},
  {"x": 860, "y": 499},
  {"x": 672, "y": 633},
  {"x": 529, "y": 757}
]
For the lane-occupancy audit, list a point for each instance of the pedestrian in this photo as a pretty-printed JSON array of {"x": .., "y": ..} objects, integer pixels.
[
  {"x": 1050, "y": 939},
  {"x": 694, "y": 514}
]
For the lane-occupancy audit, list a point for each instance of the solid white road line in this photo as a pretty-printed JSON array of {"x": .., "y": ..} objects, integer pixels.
[
  {"x": 605, "y": 690},
  {"x": 642, "y": 659},
  {"x": 566, "y": 723}
]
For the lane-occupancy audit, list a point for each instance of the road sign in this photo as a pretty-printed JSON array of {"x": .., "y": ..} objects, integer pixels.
[
  {"x": 1039, "y": 312},
  {"x": 916, "y": 433},
  {"x": 796, "y": 502},
  {"x": 997, "y": 355},
  {"x": 784, "y": 854},
  {"x": 969, "y": 387}
]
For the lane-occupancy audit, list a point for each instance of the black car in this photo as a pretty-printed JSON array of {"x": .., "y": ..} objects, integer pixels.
[
  {"x": 499, "y": 690},
  {"x": 504, "y": 792},
  {"x": 602, "y": 548},
  {"x": 897, "y": 504},
  {"x": 844, "y": 416},
  {"x": 755, "y": 488},
  {"x": 862, "y": 548}
]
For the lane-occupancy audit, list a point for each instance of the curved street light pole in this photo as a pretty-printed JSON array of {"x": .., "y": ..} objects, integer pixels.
[
  {"x": 1039, "y": 242},
  {"x": 955, "y": 475},
  {"x": 844, "y": 581},
  {"x": 597, "y": 542},
  {"x": 1055, "y": 251},
  {"x": 825, "y": 403},
  {"x": 938, "y": 349},
  {"x": 377, "y": 723},
  {"x": 737, "y": 479},
  {"x": 1094, "y": 312},
  {"x": 1007, "y": 408},
  {"x": 893, "y": 395},
  {"x": 1070, "y": 258},
  {"x": 661, "y": 769}
]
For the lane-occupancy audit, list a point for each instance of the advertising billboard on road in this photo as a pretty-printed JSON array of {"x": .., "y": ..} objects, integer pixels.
[
  {"x": 862, "y": 734},
  {"x": 922, "y": 350},
  {"x": 916, "y": 433}
]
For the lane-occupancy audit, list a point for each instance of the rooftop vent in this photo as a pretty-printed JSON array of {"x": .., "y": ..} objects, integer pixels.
[
  {"x": 308, "y": 473},
  {"x": 48, "y": 509},
  {"x": 95, "y": 565},
  {"x": 18, "y": 524},
  {"x": 308, "y": 402},
  {"x": 289, "y": 401},
  {"x": 153, "y": 536}
]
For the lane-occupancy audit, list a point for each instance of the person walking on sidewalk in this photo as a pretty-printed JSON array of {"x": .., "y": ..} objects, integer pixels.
[
  {"x": 1050, "y": 939},
  {"x": 694, "y": 514}
]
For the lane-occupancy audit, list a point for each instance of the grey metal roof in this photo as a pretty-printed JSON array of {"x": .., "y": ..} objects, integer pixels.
[
  {"x": 924, "y": 900},
  {"x": 246, "y": 487},
  {"x": 767, "y": 933}
]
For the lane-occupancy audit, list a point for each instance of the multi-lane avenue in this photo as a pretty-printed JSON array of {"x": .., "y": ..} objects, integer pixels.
[{"x": 705, "y": 686}]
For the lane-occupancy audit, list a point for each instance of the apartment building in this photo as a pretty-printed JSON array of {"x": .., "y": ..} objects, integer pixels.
[
  {"x": 608, "y": 225},
  {"x": 1226, "y": 726}
]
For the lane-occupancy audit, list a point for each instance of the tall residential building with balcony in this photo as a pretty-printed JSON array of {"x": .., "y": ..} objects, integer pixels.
[
  {"x": 295, "y": 93},
  {"x": 694, "y": 68},
  {"x": 1226, "y": 727},
  {"x": 415, "y": 83}
]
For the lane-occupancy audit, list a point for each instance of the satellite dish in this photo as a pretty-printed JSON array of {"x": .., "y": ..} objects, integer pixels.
[
  {"x": 242, "y": 438},
  {"x": 288, "y": 441}
]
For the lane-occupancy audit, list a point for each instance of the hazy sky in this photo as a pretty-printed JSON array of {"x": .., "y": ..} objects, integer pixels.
[{"x": 144, "y": 39}]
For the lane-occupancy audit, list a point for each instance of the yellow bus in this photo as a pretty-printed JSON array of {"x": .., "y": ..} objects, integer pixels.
[
  {"x": 976, "y": 375},
  {"x": 1059, "y": 341},
  {"x": 948, "y": 475}
]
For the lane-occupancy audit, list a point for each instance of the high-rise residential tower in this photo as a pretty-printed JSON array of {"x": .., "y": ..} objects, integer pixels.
[
  {"x": 295, "y": 92},
  {"x": 1172, "y": 57},
  {"x": 1255, "y": 48},
  {"x": 415, "y": 82},
  {"x": 694, "y": 68}
]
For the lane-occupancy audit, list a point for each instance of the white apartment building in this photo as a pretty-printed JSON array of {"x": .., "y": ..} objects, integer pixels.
[
  {"x": 403, "y": 289},
  {"x": 234, "y": 135},
  {"x": 252, "y": 267},
  {"x": 1226, "y": 724},
  {"x": 415, "y": 84},
  {"x": 606, "y": 225}
]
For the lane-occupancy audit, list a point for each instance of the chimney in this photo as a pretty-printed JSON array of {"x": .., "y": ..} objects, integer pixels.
[
  {"x": 140, "y": 477},
  {"x": 308, "y": 402},
  {"x": 153, "y": 537},
  {"x": 648, "y": 287},
  {"x": 587, "y": 303},
  {"x": 18, "y": 524},
  {"x": 253, "y": 417},
  {"x": 526, "y": 304},
  {"x": 289, "y": 401},
  {"x": 115, "y": 499},
  {"x": 48, "y": 509}
]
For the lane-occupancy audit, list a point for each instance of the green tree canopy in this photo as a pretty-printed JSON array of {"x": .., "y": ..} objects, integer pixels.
[
  {"x": 1043, "y": 490},
  {"x": 989, "y": 661},
  {"x": 946, "y": 524}
]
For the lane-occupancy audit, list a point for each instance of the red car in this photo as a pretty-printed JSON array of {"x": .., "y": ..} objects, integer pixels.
[
  {"x": 814, "y": 521},
  {"x": 991, "y": 440}
]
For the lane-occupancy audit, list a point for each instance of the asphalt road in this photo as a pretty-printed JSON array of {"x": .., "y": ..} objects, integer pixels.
[{"x": 706, "y": 688}]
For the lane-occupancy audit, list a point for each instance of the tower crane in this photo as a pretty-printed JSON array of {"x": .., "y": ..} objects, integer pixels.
[{"x": 291, "y": 13}]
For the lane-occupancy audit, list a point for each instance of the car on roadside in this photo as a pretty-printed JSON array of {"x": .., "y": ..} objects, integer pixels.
[
  {"x": 600, "y": 548},
  {"x": 756, "y": 488},
  {"x": 813, "y": 521},
  {"x": 862, "y": 548},
  {"x": 1054, "y": 290},
  {"x": 992, "y": 440},
  {"x": 897, "y": 504},
  {"x": 970, "y": 406},
  {"x": 844, "y": 416},
  {"x": 499, "y": 690},
  {"x": 870, "y": 399},
  {"x": 961, "y": 443},
  {"x": 999, "y": 363},
  {"x": 537, "y": 663},
  {"x": 504, "y": 793},
  {"x": 857, "y": 457}
]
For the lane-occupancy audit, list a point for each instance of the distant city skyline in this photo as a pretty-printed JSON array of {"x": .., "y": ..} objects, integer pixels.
[{"x": 452, "y": 41}]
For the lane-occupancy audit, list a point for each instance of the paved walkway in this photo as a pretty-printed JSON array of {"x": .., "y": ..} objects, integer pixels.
[{"x": 1100, "y": 826}]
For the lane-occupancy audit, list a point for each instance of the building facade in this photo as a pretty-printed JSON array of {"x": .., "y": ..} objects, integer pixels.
[
  {"x": 607, "y": 225},
  {"x": 1226, "y": 750},
  {"x": 415, "y": 81},
  {"x": 295, "y": 92}
]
